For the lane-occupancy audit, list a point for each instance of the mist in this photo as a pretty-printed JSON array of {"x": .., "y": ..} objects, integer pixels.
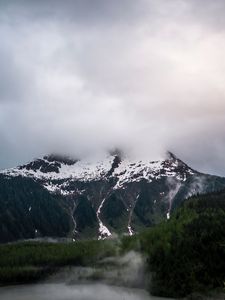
[
  {"x": 128, "y": 270},
  {"x": 80, "y": 77},
  {"x": 79, "y": 292},
  {"x": 123, "y": 277}
]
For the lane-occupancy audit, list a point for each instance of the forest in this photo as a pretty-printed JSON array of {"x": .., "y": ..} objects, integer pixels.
[{"x": 183, "y": 255}]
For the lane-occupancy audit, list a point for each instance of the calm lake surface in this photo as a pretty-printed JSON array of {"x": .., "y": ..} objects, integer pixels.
[{"x": 73, "y": 292}]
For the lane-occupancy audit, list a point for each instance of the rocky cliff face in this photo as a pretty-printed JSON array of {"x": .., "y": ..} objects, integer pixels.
[{"x": 96, "y": 197}]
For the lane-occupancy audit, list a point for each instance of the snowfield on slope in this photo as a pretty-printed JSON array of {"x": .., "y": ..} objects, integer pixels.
[{"x": 98, "y": 168}]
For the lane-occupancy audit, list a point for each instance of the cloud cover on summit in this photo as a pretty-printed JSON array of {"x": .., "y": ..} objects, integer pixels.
[{"x": 79, "y": 76}]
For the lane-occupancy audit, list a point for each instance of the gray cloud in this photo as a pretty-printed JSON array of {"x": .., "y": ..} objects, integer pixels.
[
  {"x": 79, "y": 76},
  {"x": 76, "y": 13}
]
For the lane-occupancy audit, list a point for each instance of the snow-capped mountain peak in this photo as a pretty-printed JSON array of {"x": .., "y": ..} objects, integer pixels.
[
  {"x": 106, "y": 194},
  {"x": 123, "y": 169}
]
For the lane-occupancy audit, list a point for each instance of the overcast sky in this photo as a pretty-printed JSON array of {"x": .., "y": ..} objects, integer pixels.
[{"x": 84, "y": 75}]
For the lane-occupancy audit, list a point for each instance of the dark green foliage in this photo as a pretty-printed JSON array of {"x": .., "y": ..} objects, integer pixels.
[
  {"x": 26, "y": 262},
  {"x": 151, "y": 204},
  {"x": 114, "y": 213},
  {"x": 28, "y": 211},
  {"x": 51, "y": 214},
  {"x": 144, "y": 206},
  {"x": 15, "y": 275},
  {"x": 187, "y": 253},
  {"x": 85, "y": 216},
  {"x": 184, "y": 255}
]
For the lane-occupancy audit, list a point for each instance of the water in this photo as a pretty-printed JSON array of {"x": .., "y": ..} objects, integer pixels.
[{"x": 62, "y": 291}]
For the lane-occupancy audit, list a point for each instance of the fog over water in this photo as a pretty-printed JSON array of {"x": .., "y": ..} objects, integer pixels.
[
  {"x": 118, "y": 278},
  {"x": 73, "y": 292}
]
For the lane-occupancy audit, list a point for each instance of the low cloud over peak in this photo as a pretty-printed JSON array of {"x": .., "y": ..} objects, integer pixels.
[{"x": 81, "y": 76}]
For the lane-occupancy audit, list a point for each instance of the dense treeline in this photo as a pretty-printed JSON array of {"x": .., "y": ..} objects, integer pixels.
[
  {"x": 185, "y": 254},
  {"x": 30, "y": 261},
  {"x": 28, "y": 211}
]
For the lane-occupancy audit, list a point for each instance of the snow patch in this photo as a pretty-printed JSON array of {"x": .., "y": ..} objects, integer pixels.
[
  {"x": 130, "y": 231},
  {"x": 98, "y": 168},
  {"x": 103, "y": 230}
]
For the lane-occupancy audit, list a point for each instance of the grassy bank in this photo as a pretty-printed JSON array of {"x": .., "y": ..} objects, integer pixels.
[{"x": 31, "y": 261}]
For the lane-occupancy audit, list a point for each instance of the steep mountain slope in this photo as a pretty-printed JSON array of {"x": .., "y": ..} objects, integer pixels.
[
  {"x": 28, "y": 210},
  {"x": 95, "y": 197}
]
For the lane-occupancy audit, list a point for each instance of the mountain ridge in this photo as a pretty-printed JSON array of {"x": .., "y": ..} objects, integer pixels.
[
  {"x": 112, "y": 164},
  {"x": 113, "y": 194}
]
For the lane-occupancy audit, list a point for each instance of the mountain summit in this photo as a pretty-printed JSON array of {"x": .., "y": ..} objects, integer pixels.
[
  {"x": 112, "y": 165},
  {"x": 97, "y": 196}
]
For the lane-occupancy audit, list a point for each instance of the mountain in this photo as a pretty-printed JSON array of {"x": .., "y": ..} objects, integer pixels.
[{"x": 96, "y": 197}]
